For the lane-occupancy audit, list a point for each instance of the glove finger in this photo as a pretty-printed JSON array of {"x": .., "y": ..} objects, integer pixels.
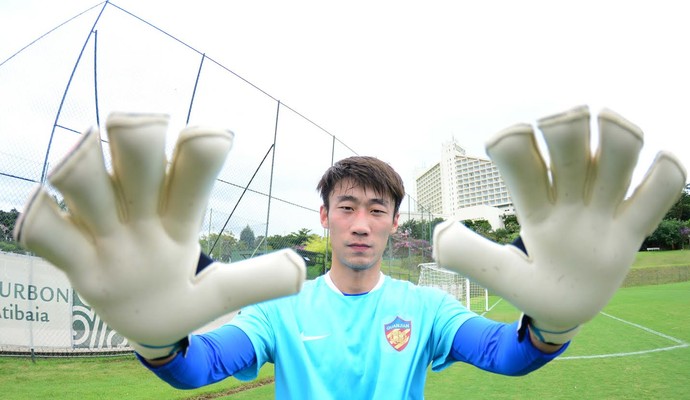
[
  {"x": 620, "y": 143},
  {"x": 220, "y": 288},
  {"x": 199, "y": 155},
  {"x": 277, "y": 274},
  {"x": 45, "y": 230},
  {"x": 494, "y": 266},
  {"x": 516, "y": 154},
  {"x": 137, "y": 145},
  {"x": 509, "y": 273},
  {"x": 85, "y": 184},
  {"x": 567, "y": 137},
  {"x": 659, "y": 190}
]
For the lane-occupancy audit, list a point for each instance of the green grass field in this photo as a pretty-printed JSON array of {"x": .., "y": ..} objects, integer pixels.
[
  {"x": 637, "y": 348},
  {"x": 651, "y": 259}
]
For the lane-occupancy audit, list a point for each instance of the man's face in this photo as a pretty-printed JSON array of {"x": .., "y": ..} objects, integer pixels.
[{"x": 360, "y": 222}]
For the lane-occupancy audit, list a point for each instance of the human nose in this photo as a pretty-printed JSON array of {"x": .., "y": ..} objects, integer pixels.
[{"x": 360, "y": 223}]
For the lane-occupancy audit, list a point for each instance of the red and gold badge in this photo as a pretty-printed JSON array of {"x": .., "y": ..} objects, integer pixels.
[{"x": 398, "y": 333}]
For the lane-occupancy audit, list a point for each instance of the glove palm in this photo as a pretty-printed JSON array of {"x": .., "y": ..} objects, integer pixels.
[
  {"x": 129, "y": 243},
  {"x": 580, "y": 231}
]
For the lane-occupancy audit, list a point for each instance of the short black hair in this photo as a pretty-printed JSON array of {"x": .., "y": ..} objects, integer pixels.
[{"x": 367, "y": 172}]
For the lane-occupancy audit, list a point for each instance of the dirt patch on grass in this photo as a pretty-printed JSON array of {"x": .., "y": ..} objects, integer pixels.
[{"x": 255, "y": 384}]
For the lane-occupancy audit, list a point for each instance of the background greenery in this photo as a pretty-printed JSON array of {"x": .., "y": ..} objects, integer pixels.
[{"x": 408, "y": 247}]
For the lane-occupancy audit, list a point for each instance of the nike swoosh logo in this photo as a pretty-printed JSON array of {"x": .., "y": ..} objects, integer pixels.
[{"x": 306, "y": 338}]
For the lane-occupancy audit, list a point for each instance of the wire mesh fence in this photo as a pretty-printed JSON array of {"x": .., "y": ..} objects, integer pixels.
[{"x": 72, "y": 77}]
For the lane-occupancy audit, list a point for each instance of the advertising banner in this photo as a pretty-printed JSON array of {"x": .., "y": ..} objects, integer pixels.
[{"x": 40, "y": 309}]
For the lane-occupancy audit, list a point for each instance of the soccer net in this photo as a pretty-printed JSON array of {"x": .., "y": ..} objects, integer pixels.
[{"x": 470, "y": 294}]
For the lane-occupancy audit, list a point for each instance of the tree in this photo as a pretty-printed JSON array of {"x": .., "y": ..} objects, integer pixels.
[
  {"x": 277, "y": 242},
  {"x": 223, "y": 246},
  {"x": 435, "y": 222},
  {"x": 260, "y": 241},
  {"x": 317, "y": 244},
  {"x": 480, "y": 226},
  {"x": 685, "y": 233},
  {"x": 7, "y": 222},
  {"x": 668, "y": 235},
  {"x": 414, "y": 228},
  {"x": 404, "y": 245},
  {"x": 299, "y": 238},
  {"x": 422, "y": 230},
  {"x": 510, "y": 230},
  {"x": 503, "y": 236},
  {"x": 681, "y": 209},
  {"x": 247, "y": 237}
]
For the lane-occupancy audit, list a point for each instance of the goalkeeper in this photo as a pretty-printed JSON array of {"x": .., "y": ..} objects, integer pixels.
[{"x": 129, "y": 247}]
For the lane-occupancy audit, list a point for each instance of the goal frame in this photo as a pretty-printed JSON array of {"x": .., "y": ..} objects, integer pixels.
[{"x": 461, "y": 287}]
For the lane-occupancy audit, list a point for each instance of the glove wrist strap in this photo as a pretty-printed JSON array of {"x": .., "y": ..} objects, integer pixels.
[
  {"x": 546, "y": 334},
  {"x": 151, "y": 352}
]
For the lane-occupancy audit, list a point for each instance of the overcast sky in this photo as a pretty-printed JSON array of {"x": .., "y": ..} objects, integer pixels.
[{"x": 396, "y": 79}]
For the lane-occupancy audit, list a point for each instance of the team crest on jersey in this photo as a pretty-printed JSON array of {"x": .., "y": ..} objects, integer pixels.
[{"x": 398, "y": 333}]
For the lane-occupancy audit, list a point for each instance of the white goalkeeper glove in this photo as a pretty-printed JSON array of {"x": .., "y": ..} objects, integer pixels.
[
  {"x": 580, "y": 231},
  {"x": 129, "y": 242}
]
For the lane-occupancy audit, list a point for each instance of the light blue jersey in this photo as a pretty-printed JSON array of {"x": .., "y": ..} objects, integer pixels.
[{"x": 326, "y": 345}]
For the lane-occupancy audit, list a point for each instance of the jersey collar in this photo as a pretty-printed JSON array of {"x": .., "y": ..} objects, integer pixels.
[{"x": 332, "y": 286}]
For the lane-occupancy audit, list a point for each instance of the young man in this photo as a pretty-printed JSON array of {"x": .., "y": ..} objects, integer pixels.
[
  {"x": 129, "y": 245},
  {"x": 355, "y": 333}
]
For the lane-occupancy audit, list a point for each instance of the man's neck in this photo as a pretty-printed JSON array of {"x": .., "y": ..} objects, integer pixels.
[{"x": 350, "y": 281}]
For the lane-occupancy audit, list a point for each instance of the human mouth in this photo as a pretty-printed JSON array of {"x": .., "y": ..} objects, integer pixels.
[{"x": 358, "y": 246}]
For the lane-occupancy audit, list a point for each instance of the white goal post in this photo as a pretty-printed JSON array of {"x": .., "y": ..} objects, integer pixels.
[{"x": 470, "y": 294}]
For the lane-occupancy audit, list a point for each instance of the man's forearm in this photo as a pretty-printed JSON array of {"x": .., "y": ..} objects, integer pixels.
[
  {"x": 210, "y": 357},
  {"x": 494, "y": 346}
]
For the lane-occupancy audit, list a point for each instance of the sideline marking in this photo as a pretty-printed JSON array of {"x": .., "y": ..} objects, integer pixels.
[
  {"x": 492, "y": 307},
  {"x": 679, "y": 343},
  {"x": 671, "y": 338},
  {"x": 631, "y": 353}
]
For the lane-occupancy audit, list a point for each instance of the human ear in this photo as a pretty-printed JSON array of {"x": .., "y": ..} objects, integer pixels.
[
  {"x": 323, "y": 215},
  {"x": 394, "y": 228}
]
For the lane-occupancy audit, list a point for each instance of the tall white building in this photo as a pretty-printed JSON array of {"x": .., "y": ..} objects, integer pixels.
[{"x": 463, "y": 187}]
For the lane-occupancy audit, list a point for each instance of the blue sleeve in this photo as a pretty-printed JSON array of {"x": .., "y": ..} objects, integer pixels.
[
  {"x": 210, "y": 357},
  {"x": 494, "y": 347}
]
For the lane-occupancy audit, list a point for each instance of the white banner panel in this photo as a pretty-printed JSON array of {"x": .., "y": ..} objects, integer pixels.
[
  {"x": 35, "y": 303},
  {"x": 39, "y": 309}
]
